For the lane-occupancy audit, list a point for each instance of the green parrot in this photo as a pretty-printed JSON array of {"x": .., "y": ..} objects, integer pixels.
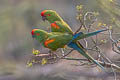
[
  {"x": 57, "y": 24},
  {"x": 55, "y": 40},
  {"x": 51, "y": 40}
]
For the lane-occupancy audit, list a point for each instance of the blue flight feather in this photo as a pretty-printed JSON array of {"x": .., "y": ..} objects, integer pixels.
[{"x": 82, "y": 51}]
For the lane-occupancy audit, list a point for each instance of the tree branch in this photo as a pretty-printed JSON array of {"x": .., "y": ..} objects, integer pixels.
[{"x": 105, "y": 64}]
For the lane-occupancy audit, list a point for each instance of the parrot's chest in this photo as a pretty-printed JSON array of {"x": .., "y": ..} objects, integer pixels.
[
  {"x": 53, "y": 44},
  {"x": 57, "y": 40}
]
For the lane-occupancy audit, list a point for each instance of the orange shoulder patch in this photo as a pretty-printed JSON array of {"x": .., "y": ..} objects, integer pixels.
[
  {"x": 48, "y": 42},
  {"x": 53, "y": 25}
]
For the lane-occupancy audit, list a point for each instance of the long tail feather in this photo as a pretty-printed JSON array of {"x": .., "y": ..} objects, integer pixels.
[
  {"x": 93, "y": 33},
  {"x": 81, "y": 35},
  {"x": 85, "y": 54}
]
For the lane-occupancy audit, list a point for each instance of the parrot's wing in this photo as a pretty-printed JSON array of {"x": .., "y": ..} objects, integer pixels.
[
  {"x": 62, "y": 27},
  {"x": 57, "y": 40}
]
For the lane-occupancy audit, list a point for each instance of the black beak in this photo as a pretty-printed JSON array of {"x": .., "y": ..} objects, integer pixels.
[
  {"x": 44, "y": 18},
  {"x": 33, "y": 36}
]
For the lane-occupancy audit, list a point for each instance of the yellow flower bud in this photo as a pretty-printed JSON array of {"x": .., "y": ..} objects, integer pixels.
[
  {"x": 96, "y": 13},
  {"x": 99, "y": 24},
  {"x": 104, "y": 24},
  {"x": 110, "y": 27},
  {"x": 29, "y": 64},
  {"x": 35, "y": 52},
  {"x": 103, "y": 41},
  {"x": 44, "y": 61}
]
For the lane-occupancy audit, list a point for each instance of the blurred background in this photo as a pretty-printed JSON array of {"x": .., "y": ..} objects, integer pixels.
[{"x": 19, "y": 17}]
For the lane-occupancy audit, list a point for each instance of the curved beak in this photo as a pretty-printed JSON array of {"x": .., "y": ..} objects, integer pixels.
[
  {"x": 33, "y": 36},
  {"x": 44, "y": 18}
]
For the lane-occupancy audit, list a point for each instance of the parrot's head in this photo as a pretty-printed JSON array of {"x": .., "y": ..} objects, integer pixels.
[
  {"x": 39, "y": 34},
  {"x": 50, "y": 16}
]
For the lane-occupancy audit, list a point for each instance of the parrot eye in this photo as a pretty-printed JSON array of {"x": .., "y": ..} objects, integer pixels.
[
  {"x": 37, "y": 34},
  {"x": 48, "y": 15}
]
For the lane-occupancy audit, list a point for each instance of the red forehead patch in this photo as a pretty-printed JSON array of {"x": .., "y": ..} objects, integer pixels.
[
  {"x": 42, "y": 13},
  {"x": 33, "y": 31}
]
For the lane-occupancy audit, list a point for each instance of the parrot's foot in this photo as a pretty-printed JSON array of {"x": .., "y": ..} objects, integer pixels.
[
  {"x": 63, "y": 51},
  {"x": 51, "y": 53}
]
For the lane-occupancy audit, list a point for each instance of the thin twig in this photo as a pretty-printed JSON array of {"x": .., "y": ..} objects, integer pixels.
[{"x": 107, "y": 65}]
